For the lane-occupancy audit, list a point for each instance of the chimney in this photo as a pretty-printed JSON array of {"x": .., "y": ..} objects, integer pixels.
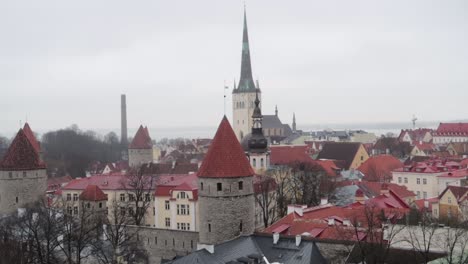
[
  {"x": 346, "y": 222},
  {"x": 297, "y": 208},
  {"x": 123, "y": 119},
  {"x": 298, "y": 240},
  {"x": 276, "y": 237},
  {"x": 331, "y": 221},
  {"x": 324, "y": 201}
]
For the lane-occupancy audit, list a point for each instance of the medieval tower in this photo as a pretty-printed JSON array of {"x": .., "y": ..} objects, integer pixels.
[
  {"x": 23, "y": 178},
  {"x": 140, "y": 151},
  {"x": 225, "y": 190},
  {"x": 243, "y": 95}
]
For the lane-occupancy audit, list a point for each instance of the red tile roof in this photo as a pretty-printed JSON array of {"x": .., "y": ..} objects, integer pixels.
[
  {"x": 21, "y": 155},
  {"x": 379, "y": 168},
  {"x": 455, "y": 174},
  {"x": 345, "y": 151},
  {"x": 452, "y": 129},
  {"x": 225, "y": 157},
  {"x": 92, "y": 193},
  {"x": 415, "y": 134},
  {"x": 420, "y": 203},
  {"x": 286, "y": 155},
  {"x": 330, "y": 167},
  {"x": 142, "y": 139},
  {"x": 185, "y": 183},
  {"x": 374, "y": 189},
  {"x": 30, "y": 135}
]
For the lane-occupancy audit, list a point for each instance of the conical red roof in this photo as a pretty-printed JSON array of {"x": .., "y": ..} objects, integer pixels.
[
  {"x": 30, "y": 135},
  {"x": 21, "y": 155},
  {"x": 225, "y": 157},
  {"x": 142, "y": 140},
  {"x": 93, "y": 193}
]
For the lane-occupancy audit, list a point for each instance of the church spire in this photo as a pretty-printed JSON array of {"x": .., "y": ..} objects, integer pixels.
[{"x": 246, "y": 82}]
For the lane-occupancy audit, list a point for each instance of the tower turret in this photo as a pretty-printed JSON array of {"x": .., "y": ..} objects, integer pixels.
[{"x": 225, "y": 190}]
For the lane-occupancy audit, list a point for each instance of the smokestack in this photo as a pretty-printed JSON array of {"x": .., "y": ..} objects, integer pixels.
[{"x": 123, "y": 125}]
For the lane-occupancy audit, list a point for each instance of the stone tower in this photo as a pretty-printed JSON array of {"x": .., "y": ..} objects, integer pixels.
[
  {"x": 225, "y": 190},
  {"x": 243, "y": 95},
  {"x": 257, "y": 145},
  {"x": 141, "y": 149},
  {"x": 23, "y": 178}
]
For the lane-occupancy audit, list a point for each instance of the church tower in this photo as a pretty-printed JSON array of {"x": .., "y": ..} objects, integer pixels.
[
  {"x": 225, "y": 190},
  {"x": 243, "y": 95},
  {"x": 257, "y": 150}
]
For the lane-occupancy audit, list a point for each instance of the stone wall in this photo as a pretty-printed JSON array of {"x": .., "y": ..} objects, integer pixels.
[
  {"x": 165, "y": 243},
  {"x": 227, "y": 213},
  {"x": 18, "y": 188},
  {"x": 137, "y": 157}
]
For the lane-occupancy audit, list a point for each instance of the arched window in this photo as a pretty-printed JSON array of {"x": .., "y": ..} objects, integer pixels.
[
  {"x": 261, "y": 162},
  {"x": 254, "y": 162},
  {"x": 201, "y": 186}
]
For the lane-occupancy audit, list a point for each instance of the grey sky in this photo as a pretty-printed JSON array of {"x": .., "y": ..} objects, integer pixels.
[{"x": 64, "y": 62}]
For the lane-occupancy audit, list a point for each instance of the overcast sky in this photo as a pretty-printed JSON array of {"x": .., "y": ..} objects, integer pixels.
[{"x": 65, "y": 62}]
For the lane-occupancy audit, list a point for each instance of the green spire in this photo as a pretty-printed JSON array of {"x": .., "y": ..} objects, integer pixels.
[{"x": 246, "y": 82}]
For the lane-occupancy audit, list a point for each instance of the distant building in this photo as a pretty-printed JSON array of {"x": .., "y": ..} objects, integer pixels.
[
  {"x": 23, "y": 178},
  {"x": 451, "y": 132},
  {"x": 459, "y": 149},
  {"x": 379, "y": 168},
  {"x": 453, "y": 203},
  {"x": 353, "y": 154},
  {"x": 416, "y": 135}
]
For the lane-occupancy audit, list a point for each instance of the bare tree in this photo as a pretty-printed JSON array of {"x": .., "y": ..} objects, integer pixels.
[
  {"x": 265, "y": 196},
  {"x": 282, "y": 176},
  {"x": 139, "y": 188},
  {"x": 118, "y": 239},
  {"x": 309, "y": 183}
]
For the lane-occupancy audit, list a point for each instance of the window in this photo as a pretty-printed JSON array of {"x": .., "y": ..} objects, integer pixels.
[
  {"x": 424, "y": 181},
  {"x": 362, "y": 158},
  {"x": 68, "y": 197},
  {"x": 167, "y": 205},
  {"x": 188, "y": 226},
  {"x": 10, "y": 174},
  {"x": 69, "y": 210},
  {"x": 181, "y": 209},
  {"x": 254, "y": 162},
  {"x": 122, "y": 211},
  {"x": 100, "y": 205},
  {"x": 219, "y": 186},
  {"x": 75, "y": 210},
  {"x": 241, "y": 185},
  {"x": 209, "y": 227},
  {"x": 261, "y": 162},
  {"x": 449, "y": 199},
  {"x": 201, "y": 186},
  {"x": 122, "y": 197},
  {"x": 88, "y": 205},
  {"x": 182, "y": 195},
  {"x": 418, "y": 181},
  {"x": 168, "y": 222},
  {"x": 191, "y": 243},
  {"x": 131, "y": 197},
  {"x": 424, "y": 195},
  {"x": 147, "y": 197},
  {"x": 399, "y": 179},
  {"x": 17, "y": 200},
  {"x": 154, "y": 210},
  {"x": 188, "y": 209},
  {"x": 406, "y": 180},
  {"x": 240, "y": 226},
  {"x": 155, "y": 240},
  {"x": 75, "y": 197}
]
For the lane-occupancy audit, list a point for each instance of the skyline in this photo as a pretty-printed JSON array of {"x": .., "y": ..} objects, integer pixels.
[{"x": 79, "y": 67}]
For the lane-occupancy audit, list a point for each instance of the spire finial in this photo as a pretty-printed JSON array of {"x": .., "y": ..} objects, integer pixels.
[
  {"x": 276, "y": 110},
  {"x": 246, "y": 82}
]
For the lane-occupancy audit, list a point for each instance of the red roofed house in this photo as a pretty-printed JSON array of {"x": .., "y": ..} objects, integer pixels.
[
  {"x": 453, "y": 178},
  {"x": 93, "y": 200},
  {"x": 140, "y": 150},
  {"x": 374, "y": 189},
  {"x": 423, "y": 149},
  {"x": 226, "y": 190},
  {"x": 422, "y": 177},
  {"x": 23, "y": 177},
  {"x": 451, "y": 132},
  {"x": 379, "y": 168},
  {"x": 286, "y": 155},
  {"x": 340, "y": 223}
]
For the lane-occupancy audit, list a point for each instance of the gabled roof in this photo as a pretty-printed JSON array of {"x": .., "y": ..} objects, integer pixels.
[
  {"x": 271, "y": 121},
  {"x": 225, "y": 157},
  {"x": 345, "y": 151},
  {"x": 142, "y": 139},
  {"x": 374, "y": 189},
  {"x": 21, "y": 155},
  {"x": 30, "y": 135},
  {"x": 459, "y": 192},
  {"x": 379, "y": 168},
  {"x": 93, "y": 193}
]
